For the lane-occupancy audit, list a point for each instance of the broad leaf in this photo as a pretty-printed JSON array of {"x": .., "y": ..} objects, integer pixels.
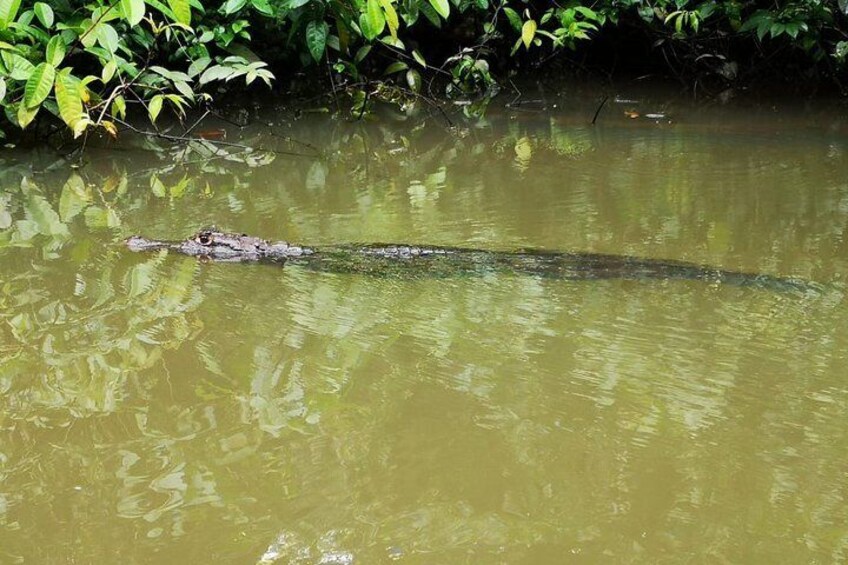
[
  {"x": 44, "y": 13},
  {"x": 182, "y": 11},
  {"x": 528, "y": 32},
  {"x": 8, "y": 12},
  {"x": 372, "y": 22},
  {"x": 395, "y": 67},
  {"x": 119, "y": 107},
  {"x": 514, "y": 18},
  {"x": 154, "y": 107},
  {"x": 55, "y": 50},
  {"x": 18, "y": 67},
  {"x": 107, "y": 37},
  {"x": 68, "y": 97},
  {"x": 133, "y": 11},
  {"x": 26, "y": 115},
  {"x": 316, "y": 38},
  {"x": 391, "y": 17},
  {"x": 39, "y": 85},
  {"x": 442, "y": 7},
  {"x": 216, "y": 72},
  {"x": 233, "y": 6}
]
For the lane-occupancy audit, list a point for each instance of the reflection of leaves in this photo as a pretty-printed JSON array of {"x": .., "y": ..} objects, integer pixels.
[
  {"x": 97, "y": 217},
  {"x": 75, "y": 197},
  {"x": 316, "y": 178},
  {"x": 44, "y": 217}
]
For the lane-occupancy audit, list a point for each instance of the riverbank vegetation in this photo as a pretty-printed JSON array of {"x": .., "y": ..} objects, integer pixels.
[{"x": 83, "y": 66}]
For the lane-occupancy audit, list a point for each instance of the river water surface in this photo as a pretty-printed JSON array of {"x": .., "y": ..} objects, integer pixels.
[{"x": 154, "y": 408}]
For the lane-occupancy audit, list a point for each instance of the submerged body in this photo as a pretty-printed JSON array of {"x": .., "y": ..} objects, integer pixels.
[{"x": 416, "y": 261}]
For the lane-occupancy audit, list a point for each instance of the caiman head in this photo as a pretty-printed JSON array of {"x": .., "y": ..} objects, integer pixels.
[{"x": 211, "y": 243}]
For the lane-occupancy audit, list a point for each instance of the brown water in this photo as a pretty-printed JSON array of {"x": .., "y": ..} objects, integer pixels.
[{"x": 157, "y": 409}]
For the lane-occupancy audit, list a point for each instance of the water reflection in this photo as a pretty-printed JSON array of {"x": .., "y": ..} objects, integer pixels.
[{"x": 187, "y": 411}]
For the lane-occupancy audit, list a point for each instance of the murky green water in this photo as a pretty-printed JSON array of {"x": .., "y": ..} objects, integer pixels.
[{"x": 157, "y": 409}]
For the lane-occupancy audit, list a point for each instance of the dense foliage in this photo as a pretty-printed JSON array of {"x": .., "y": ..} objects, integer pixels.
[{"x": 88, "y": 63}]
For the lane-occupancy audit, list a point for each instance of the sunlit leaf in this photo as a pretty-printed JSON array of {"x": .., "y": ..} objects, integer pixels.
[
  {"x": 198, "y": 65},
  {"x": 39, "y": 85},
  {"x": 107, "y": 37},
  {"x": 232, "y": 6},
  {"x": 442, "y": 7},
  {"x": 44, "y": 13},
  {"x": 8, "y": 12},
  {"x": 391, "y": 17},
  {"x": 154, "y": 107},
  {"x": 133, "y": 11},
  {"x": 119, "y": 107},
  {"x": 372, "y": 22},
  {"x": 18, "y": 67},
  {"x": 68, "y": 97},
  {"x": 182, "y": 11},
  {"x": 55, "y": 52},
  {"x": 528, "y": 32},
  {"x": 26, "y": 115}
]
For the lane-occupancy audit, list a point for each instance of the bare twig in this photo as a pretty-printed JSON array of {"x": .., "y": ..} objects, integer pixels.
[{"x": 598, "y": 111}]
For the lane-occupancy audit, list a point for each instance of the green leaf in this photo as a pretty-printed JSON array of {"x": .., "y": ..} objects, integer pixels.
[
  {"x": 55, "y": 50},
  {"x": 107, "y": 37},
  {"x": 108, "y": 71},
  {"x": 442, "y": 7},
  {"x": 361, "y": 53},
  {"x": 216, "y": 72},
  {"x": 26, "y": 115},
  {"x": 419, "y": 58},
  {"x": 18, "y": 67},
  {"x": 528, "y": 32},
  {"x": 2, "y": 89},
  {"x": 8, "y": 11},
  {"x": 233, "y": 6},
  {"x": 68, "y": 97},
  {"x": 44, "y": 13},
  {"x": 391, "y": 17},
  {"x": 119, "y": 107},
  {"x": 413, "y": 79},
  {"x": 198, "y": 65},
  {"x": 39, "y": 85},
  {"x": 132, "y": 11},
  {"x": 155, "y": 107},
  {"x": 395, "y": 67},
  {"x": 316, "y": 38},
  {"x": 514, "y": 18},
  {"x": 372, "y": 22},
  {"x": 182, "y": 11},
  {"x": 263, "y": 7}
]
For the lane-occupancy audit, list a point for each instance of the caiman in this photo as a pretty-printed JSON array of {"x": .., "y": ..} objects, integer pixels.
[{"x": 414, "y": 261}]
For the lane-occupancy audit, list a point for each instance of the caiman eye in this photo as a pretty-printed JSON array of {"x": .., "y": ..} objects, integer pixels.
[{"x": 204, "y": 238}]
